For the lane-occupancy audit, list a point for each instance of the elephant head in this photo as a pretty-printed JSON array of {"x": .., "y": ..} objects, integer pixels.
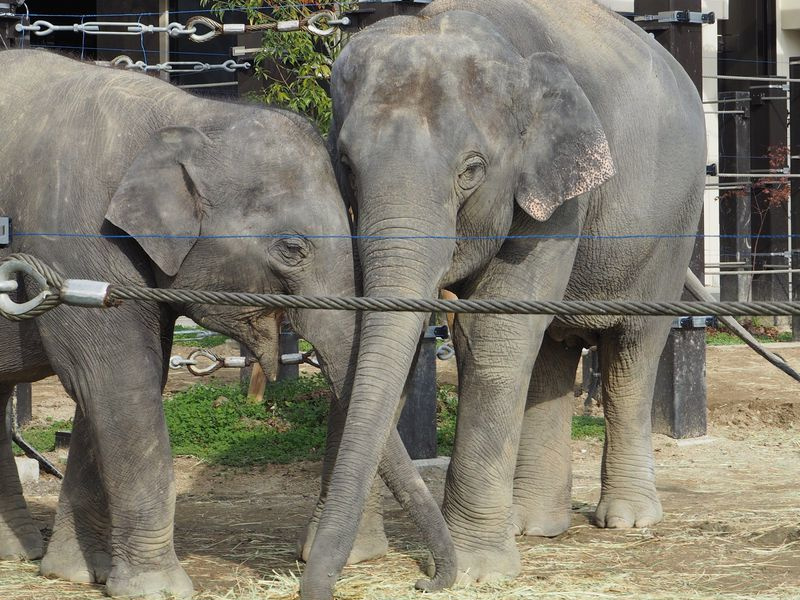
[
  {"x": 443, "y": 133},
  {"x": 250, "y": 205}
]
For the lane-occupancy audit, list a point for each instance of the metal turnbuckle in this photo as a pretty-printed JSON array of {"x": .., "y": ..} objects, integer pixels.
[
  {"x": 42, "y": 28},
  {"x": 8, "y": 283},
  {"x": 217, "y": 362}
]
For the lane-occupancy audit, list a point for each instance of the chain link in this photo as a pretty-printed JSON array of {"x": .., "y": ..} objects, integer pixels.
[
  {"x": 43, "y": 28},
  {"x": 322, "y": 23},
  {"x": 231, "y": 66}
]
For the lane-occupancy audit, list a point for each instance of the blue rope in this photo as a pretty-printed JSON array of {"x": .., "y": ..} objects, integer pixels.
[{"x": 279, "y": 236}]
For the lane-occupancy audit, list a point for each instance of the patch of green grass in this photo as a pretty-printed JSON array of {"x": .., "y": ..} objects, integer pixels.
[
  {"x": 218, "y": 424},
  {"x": 42, "y": 438},
  {"x": 185, "y": 337},
  {"x": 584, "y": 428},
  {"x": 723, "y": 338},
  {"x": 446, "y": 409}
]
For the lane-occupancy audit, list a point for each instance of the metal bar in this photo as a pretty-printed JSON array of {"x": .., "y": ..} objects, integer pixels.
[
  {"x": 163, "y": 38},
  {"x": 794, "y": 202},
  {"x": 768, "y": 272},
  {"x": 761, "y": 175},
  {"x": 738, "y": 78},
  {"x": 730, "y": 101},
  {"x": 726, "y": 112},
  {"x": 208, "y": 85}
]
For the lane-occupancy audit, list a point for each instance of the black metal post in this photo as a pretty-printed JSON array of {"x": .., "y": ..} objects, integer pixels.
[
  {"x": 679, "y": 400},
  {"x": 289, "y": 344},
  {"x": 794, "y": 134},
  {"x": 417, "y": 424},
  {"x": 734, "y": 203},
  {"x": 24, "y": 404}
]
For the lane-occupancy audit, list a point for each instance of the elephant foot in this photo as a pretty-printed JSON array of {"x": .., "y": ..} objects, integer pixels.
[
  {"x": 488, "y": 565},
  {"x": 371, "y": 542},
  {"x": 20, "y": 539},
  {"x": 617, "y": 512},
  {"x": 69, "y": 561},
  {"x": 540, "y": 523},
  {"x": 22, "y": 543},
  {"x": 171, "y": 582}
]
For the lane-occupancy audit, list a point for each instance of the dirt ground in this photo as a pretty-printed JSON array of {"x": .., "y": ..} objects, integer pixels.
[{"x": 731, "y": 527}]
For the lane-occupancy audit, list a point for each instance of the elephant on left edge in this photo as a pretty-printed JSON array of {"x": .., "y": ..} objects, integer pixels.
[{"x": 115, "y": 176}]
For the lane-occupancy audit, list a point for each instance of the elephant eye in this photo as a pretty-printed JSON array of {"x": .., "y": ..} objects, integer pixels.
[
  {"x": 291, "y": 251},
  {"x": 472, "y": 173}
]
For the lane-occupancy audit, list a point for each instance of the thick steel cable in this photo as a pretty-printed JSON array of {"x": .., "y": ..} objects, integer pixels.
[
  {"x": 117, "y": 293},
  {"x": 490, "y": 306}
]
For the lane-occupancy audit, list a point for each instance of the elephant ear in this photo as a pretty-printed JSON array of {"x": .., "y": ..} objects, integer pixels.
[
  {"x": 565, "y": 150},
  {"x": 158, "y": 202}
]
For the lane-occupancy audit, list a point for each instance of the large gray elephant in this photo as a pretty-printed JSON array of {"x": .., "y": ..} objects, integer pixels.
[
  {"x": 513, "y": 149},
  {"x": 115, "y": 176}
]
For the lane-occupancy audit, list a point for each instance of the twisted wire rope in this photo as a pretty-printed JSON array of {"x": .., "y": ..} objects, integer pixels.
[{"x": 118, "y": 293}]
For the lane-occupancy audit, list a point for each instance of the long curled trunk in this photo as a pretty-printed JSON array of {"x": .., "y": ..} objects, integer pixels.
[{"x": 394, "y": 265}]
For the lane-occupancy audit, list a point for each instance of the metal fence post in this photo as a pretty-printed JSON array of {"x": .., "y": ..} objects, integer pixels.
[
  {"x": 417, "y": 424},
  {"x": 734, "y": 204},
  {"x": 289, "y": 344},
  {"x": 794, "y": 147}
]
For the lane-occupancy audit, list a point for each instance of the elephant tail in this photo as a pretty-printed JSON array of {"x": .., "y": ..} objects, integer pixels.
[{"x": 698, "y": 290}]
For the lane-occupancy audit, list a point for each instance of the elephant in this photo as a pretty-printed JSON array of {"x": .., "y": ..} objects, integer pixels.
[
  {"x": 116, "y": 176},
  {"x": 515, "y": 149}
]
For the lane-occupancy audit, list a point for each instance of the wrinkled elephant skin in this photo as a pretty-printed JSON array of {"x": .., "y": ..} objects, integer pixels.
[{"x": 568, "y": 128}]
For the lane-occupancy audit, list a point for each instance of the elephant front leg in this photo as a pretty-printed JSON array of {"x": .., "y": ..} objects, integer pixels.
[
  {"x": 79, "y": 548},
  {"x": 113, "y": 368},
  {"x": 19, "y": 536},
  {"x": 495, "y": 358},
  {"x": 543, "y": 477},
  {"x": 629, "y": 361},
  {"x": 371, "y": 541}
]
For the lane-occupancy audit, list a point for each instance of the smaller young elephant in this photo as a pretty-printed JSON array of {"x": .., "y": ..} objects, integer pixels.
[{"x": 158, "y": 188}]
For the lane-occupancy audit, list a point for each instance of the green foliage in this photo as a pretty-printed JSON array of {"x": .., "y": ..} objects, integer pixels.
[
  {"x": 218, "y": 424},
  {"x": 716, "y": 337},
  {"x": 446, "y": 409},
  {"x": 588, "y": 428},
  {"x": 184, "y": 338},
  {"x": 295, "y": 67},
  {"x": 43, "y": 438}
]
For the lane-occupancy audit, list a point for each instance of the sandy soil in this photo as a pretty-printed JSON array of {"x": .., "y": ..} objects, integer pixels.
[{"x": 731, "y": 528}]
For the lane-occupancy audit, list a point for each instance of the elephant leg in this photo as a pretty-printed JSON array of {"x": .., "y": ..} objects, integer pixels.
[
  {"x": 371, "y": 541},
  {"x": 79, "y": 547},
  {"x": 112, "y": 364},
  {"x": 543, "y": 478},
  {"x": 493, "y": 382},
  {"x": 19, "y": 536},
  {"x": 629, "y": 361}
]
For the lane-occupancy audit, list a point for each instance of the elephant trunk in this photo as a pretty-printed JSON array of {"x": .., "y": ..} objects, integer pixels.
[{"x": 396, "y": 262}]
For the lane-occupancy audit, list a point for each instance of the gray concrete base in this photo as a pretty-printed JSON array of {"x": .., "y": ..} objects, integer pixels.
[
  {"x": 28, "y": 469},
  {"x": 427, "y": 466}
]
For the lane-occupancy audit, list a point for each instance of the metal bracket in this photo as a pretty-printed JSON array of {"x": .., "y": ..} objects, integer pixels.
[
  {"x": 683, "y": 17},
  {"x": 694, "y": 322},
  {"x": 82, "y": 292},
  {"x": 5, "y": 232}
]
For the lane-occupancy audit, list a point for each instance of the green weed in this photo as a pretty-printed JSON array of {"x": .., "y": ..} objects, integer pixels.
[{"x": 42, "y": 438}]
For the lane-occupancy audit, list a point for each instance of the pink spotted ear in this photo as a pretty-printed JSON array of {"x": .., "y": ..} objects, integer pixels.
[{"x": 565, "y": 150}]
